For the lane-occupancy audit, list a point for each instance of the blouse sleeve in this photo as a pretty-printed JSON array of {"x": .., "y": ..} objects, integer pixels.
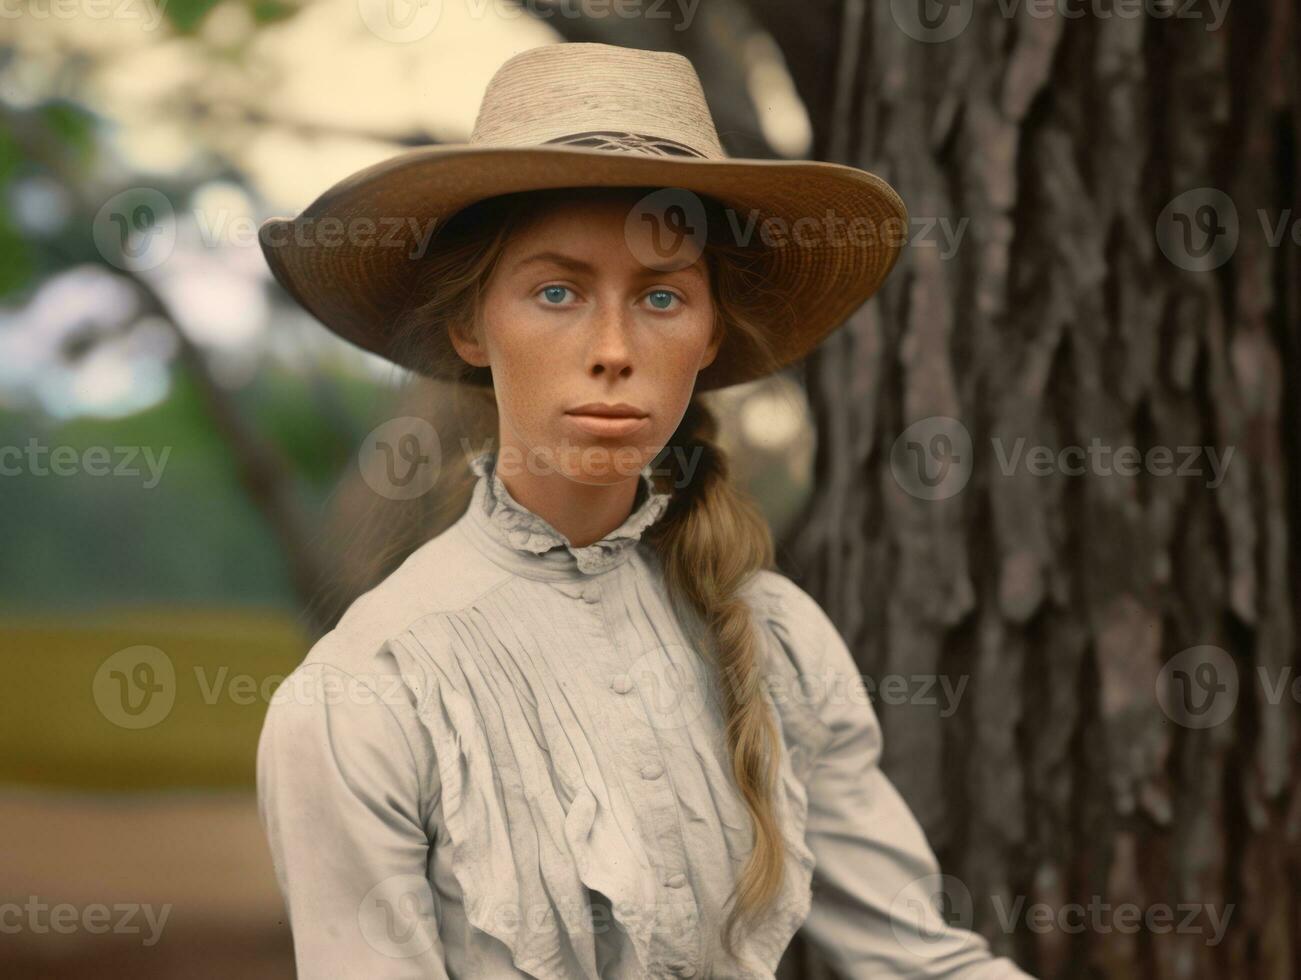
[
  {"x": 339, "y": 798},
  {"x": 872, "y": 912}
]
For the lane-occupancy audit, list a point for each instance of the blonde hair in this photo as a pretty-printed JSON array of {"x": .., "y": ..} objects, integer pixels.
[{"x": 710, "y": 540}]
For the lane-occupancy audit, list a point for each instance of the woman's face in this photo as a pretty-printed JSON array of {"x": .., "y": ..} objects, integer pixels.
[{"x": 571, "y": 319}]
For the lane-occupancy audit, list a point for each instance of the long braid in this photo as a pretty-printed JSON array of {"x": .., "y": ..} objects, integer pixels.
[{"x": 711, "y": 540}]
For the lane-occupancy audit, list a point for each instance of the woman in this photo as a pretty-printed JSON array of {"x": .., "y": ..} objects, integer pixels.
[{"x": 588, "y": 731}]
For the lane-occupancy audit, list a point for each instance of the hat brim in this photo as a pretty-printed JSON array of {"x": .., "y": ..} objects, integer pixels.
[{"x": 839, "y": 232}]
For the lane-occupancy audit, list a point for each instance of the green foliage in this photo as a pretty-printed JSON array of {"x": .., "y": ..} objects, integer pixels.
[
  {"x": 73, "y": 126},
  {"x": 72, "y": 129},
  {"x": 17, "y": 266},
  {"x": 190, "y": 535},
  {"x": 270, "y": 11},
  {"x": 289, "y": 414},
  {"x": 186, "y": 15},
  {"x": 10, "y": 152}
]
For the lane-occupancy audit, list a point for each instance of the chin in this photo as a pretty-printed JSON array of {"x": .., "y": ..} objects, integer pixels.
[{"x": 601, "y": 460}]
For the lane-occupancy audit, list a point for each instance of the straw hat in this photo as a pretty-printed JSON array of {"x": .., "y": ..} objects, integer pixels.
[{"x": 591, "y": 115}]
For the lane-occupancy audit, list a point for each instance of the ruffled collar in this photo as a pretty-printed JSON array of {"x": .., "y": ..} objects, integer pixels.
[{"x": 518, "y": 528}]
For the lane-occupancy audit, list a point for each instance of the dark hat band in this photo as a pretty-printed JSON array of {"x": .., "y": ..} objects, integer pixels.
[{"x": 608, "y": 139}]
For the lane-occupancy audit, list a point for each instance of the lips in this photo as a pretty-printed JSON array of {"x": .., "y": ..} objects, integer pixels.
[
  {"x": 620, "y": 410},
  {"x": 608, "y": 421}
]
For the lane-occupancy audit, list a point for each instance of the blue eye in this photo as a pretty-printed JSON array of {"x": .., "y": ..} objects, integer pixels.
[
  {"x": 554, "y": 294},
  {"x": 661, "y": 298}
]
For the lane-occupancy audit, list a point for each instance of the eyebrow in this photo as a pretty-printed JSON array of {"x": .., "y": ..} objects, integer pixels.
[{"x": 578, "y": 265}]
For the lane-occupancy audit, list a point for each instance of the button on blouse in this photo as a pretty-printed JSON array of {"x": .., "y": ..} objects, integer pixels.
[{"x": 508, "y": 759}]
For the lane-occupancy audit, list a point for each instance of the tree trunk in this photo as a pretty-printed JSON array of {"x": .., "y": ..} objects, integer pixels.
[{"x": 1115, "y": 627}]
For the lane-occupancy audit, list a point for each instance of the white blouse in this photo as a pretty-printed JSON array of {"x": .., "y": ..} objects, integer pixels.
[{"x": 507, "y": 760}]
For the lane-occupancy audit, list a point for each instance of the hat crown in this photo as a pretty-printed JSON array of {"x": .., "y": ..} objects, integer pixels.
[{"x": 600, "y": 96}]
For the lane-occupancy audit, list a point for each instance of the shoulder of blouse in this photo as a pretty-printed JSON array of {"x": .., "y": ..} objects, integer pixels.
[
  {"x": 444, "y": 574},
  {"x": 814, "y": 681},
  {"x": 350, "y": 672},
  {"x": 809, "y": 638}
]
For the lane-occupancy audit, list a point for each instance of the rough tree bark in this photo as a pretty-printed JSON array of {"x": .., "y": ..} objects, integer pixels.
[{"x": 1066, "y": 602}]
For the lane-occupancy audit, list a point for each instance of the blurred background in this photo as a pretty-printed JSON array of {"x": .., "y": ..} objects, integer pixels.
[
  {"x": 183, "y": 441},
  {"x": 1105, "y": 252}
]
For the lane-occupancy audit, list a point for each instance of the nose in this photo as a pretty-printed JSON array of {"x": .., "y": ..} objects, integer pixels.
[{"x": 610, "y": 354}]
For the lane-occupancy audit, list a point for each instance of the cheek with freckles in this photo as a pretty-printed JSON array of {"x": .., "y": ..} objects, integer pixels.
[
  {"x": 529, "y": 368},
  {"x": 676, "y": 376}
]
